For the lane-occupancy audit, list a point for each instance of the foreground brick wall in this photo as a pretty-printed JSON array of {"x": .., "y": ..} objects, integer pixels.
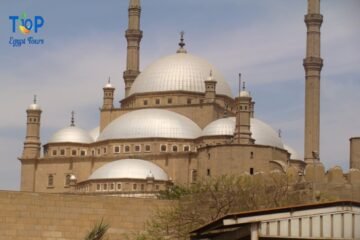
[{"x": 40, "y": 216}]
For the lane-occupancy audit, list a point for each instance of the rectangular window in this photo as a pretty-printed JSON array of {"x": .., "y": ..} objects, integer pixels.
[
  {"x": 137, "y": 148},
  {"x": 127, "y": 149},
  {"x": 104, "y": 150},
  {"x": 189, "y": 101},
  {"x": 93, "y": 152},
  {"x": 174, "y": 148},
  {"x": 169, "y": 100},
  {"x": 142, "y": 187},
  {"x": 98, "y": 187},
  {"x": 134, "y": 186},
  {"x": 251, "y": 171},
  {"x": 112, "y": 186},
  {"x": 73, "y": 152},
  {"x": 54, "y": 152},
  {"x": 83, "y": 153},
  {"x": 157, "y": 101},
  {"x": 208, "y": 172},
  {"x": 98, "y": 151},
  {"x": 62, "y": 152},
  {"x": 145, "y": 102},
  {"x": 117, "y": 149},
  {"x": 157, "y": 187},
  {"x": 105, "y": 187},
  {"x": 186, "y": 148},
  {"x": 147, "y": 148},
  {"x": 119, "y": 186}
]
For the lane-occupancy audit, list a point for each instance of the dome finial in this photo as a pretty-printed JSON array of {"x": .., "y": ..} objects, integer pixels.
[
  {"x": 35, "y": 99},
  {"x": 244, "y": 88},
  {"x": 72, "y": 119},
  {"x": 279, "y": 132},
  {"x": 109, "y": 80},
  {"x": 182, "y": 43}
]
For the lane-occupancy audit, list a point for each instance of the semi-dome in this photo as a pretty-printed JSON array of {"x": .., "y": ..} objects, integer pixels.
[
  {"x": 262, "y": 133},
  {"x": 179, "y": 72},
  {"x": 293, "y": 154},
  {"x": 71, "y": 134},
  {"x": 94, "y": 133},
  {"x": 151, "y": 123},
  {"x": 129, "y": 169}
]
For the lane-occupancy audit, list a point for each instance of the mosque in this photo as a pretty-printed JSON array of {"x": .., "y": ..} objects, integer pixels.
[{"x": 178, "y": 123}]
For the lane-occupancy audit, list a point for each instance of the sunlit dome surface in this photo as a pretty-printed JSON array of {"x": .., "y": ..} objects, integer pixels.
[
  {"x": 181, "y": 71},
  {"x": 129, "y": 169},
  {"x": 71, "y": 134},
  {"x": 151, "y": 123},
  {"x": 261, "y": 132},
  {"x": 94, "y": 133},
  {"x": 293, "y": 153}
]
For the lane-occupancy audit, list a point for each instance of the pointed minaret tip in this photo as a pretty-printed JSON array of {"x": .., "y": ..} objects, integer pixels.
[{"x": 35, "y": 99}]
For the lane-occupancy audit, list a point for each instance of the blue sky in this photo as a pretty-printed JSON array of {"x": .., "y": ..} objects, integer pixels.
[{"x": 264, "y": 40}]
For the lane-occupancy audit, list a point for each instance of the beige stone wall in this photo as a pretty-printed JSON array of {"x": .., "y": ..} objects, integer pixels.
[
  {"x": 40, "y": 216},
  {"x": 237, "y": 159},
  {"x": 355, "y": 153}
]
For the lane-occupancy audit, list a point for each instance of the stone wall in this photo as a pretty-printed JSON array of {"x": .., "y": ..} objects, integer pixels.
[{"x": 40, "y": 216}]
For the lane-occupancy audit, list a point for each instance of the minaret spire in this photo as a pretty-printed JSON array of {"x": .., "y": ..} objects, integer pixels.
[
  {"x": 133, "y": 36},
  {"x": 313, "y": 64},
  {"x": 72, "y": 124}
]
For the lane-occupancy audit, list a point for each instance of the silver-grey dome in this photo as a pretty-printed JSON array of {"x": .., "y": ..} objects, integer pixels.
[
  {"x": 71, "y": 134},
  {"x": 181, "y": 71},
  {"x": 262, "y": 133},
  {"x": 151, "y": 123},
  {"x": 293, "y": 154},
  {"x": 129, "y": 169}
]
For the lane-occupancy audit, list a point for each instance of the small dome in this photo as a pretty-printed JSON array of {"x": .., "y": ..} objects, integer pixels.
[
  {"x": 71, "y": 134},
  {"x": 262, "y": 133},
  {"x": 34, "y": 106},
  {"x": 129, "y": 169},
  {"x": 151, "y": 123},
  {"x": 108, "y": 85},
  {"x": 244, "y": 93},
  {"x": 179, "y": 72},
  {"x": 293, "y": 154},
  {"x": 94, "y": 133}
]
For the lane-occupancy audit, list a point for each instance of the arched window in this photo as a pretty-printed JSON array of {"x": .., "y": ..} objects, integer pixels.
[
  {"x": 194, "y": 176},
  {"x": 163, "y": 148},
  {"x": 175, "y": 148},
  {"x": 67, "y": 179},
  {"x": 50, "y": 180}
]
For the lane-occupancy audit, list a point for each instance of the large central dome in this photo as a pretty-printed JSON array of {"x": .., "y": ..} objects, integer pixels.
[
  {"x": 151, "y": 123},
  {"x": 179, "y": 72}
]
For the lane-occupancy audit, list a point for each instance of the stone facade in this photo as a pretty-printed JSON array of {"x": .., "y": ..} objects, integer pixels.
[{"x": 187, "y": 159}]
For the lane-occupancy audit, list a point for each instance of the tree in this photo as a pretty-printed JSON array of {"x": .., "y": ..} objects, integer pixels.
[
  {"x": 213, "y": 198},
  {"x": 98, "y": 231}
]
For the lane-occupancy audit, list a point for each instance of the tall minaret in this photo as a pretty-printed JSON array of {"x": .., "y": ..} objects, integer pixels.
[
  {"x": 32, "y": 143},
  {"x": 242, "y": 133},
  {"x": 313, "y": 64},
  {"x": 133, "y": 36}
]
